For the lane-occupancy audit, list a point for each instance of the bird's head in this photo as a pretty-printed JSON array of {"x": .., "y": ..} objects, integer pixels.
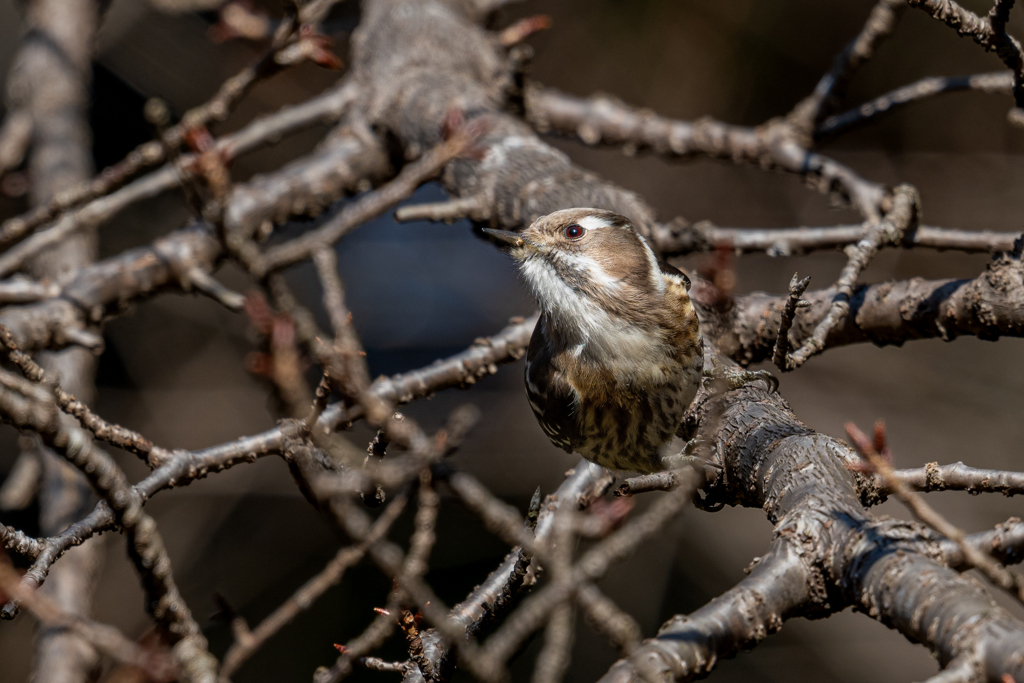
[{"x": 579, "y": 260}]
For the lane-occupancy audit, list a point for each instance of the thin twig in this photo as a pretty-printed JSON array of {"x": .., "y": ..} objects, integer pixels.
[
  {"x": 777, "y": 144},
  {"x": 959, "y": 477},
  {"x": 832, "y": 86},
  {"x": 990, "y": 33},
  {"x": 378, "y": 664},
  {"x": 113, "y": 434},
  {"x": 782, "y": 345},
  {"x": 872, "y": 452},
  {"x": 310, "y": 591},
  {"x": 998, "y": 82},
  {"x": 366, "y": 207},
  {"x": 344, "y": 359},
  {"x": 158, "y": 664},
  {"x": 553, "y": 660},
  {"x": 901, "y": 218},
  {"x": 590, "y": 567}
]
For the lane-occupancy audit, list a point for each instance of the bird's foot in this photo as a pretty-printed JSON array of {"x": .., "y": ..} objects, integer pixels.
[
  {"x": 735, "y": 379},
  {"x": 687, "y": 457}
]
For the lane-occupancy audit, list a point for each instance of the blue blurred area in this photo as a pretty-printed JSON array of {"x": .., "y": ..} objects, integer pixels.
[{"x": 419, "y": 290}]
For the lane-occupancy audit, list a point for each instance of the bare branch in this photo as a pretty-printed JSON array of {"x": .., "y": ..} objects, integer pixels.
[
  {"x": 472, "y": 207},
  {"x": 327, "y": 107},
  {"x": 998, "y": 82},
  {"x": 957, "y": 477},
  {"x": 344, "y": 359},
  {"x": 592, "y": 566},
  {"x": 15, "y": 137},
  {"x": 144, "y": 542},
  {"x": 833, "y": 85},
  {"x": 988, "y": 32},
  {"x": 901, "y": 218},
  {"x": 782, "y": 346},
  {"x": 113, "y": 434},
  {"x": 148, "y": 154},
  {"x": 158, "y": 665},
  {"x": 1005, "y": 543},
  {"x": 890, "y": 313},
  {"x": 522, "y": 29},
  {"x": 22, "y": 290},
  {"x": 462, "y": 369},
  {"x": 996, "y": 573},
  {"x": 960, "y": 670},
  {"x": 680, "y": 238},
  {"x": 363, "y": 209},
  {"x": 310, "y": 591},
  {"x": 380, "y": 665},
  {"x": 24, "y": 480},
  {"x": 774, "y": 145},
  {"x": 758, "y": 434}
]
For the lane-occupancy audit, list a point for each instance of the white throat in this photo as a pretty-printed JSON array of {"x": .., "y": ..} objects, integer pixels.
[{"x": 631, "y": 353}]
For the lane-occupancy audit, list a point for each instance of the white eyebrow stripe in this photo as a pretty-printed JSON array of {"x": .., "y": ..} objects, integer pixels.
[
  {"x": 593, "y": 223},
  {"x": 656, "y": 276},
  {"x": 591, "y": 267}
]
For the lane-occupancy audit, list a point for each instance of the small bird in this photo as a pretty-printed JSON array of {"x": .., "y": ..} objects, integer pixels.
[{"x": 617, "y": 355}]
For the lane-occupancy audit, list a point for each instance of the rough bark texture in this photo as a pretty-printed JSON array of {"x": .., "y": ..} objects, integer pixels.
[
  {"x": 423, "y": 62},
  {"x": 51, "y": 79},
  {"x": 423, "y": 73},
  {"x": 988, "y": 307}
]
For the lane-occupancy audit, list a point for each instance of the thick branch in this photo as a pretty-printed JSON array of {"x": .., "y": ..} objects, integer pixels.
[
  {"x": 328, "y": 172},
  {"x": 988, "y": 32},
  {"x": 889, "y": 231},
  {"x": 678, "y": 238},
  {"x": 52, "y": 73},
  {"x": 774, "y": 145},
  {"x": 988, "y": 307},
  {"x": 423, "y": 61},
  {"x": 816, "y": 565}
]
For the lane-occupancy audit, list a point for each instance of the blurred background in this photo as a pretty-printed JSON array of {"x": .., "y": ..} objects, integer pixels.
[{"x": 175, "y": 368}]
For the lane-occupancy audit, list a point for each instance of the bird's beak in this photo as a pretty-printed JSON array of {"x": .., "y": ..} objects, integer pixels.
[{"x": 506, "y": 236}]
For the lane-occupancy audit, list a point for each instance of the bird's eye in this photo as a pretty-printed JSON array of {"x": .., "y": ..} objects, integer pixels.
[{"x": 574, "y": 232}]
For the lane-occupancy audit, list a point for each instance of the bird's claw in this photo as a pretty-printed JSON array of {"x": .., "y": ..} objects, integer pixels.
[
  {"x": 738, "y": 379},
  {"x": 735, "y": 379},
  {"x": 687, "y": 457}
]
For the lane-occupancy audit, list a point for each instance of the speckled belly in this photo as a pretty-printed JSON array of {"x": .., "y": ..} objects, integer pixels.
[{"x": 628, "y": 432}]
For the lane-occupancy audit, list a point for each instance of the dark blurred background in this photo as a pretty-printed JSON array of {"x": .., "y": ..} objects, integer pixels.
[{"x": 174, "y": 369}]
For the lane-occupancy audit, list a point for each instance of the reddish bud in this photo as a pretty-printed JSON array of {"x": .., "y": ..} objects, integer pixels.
[
  {"x": 260, "y": 314},
  {"x": 259, "y": 363},
  {"x": 283, "y": 332},
  {"x": 612, "y": 512},
  {"x": 198, "y": 139},
  {"x": 240, "y": 20},
  {"x": 881, "y": 441},
  {"x": 519, "y": 31}
]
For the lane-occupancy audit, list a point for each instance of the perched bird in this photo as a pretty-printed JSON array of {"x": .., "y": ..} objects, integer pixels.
[{"x": 617, "y": 356}]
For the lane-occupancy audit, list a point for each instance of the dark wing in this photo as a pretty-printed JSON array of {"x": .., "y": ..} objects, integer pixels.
[
  {"x": 550, "y": 395},
  {"x": 670, "y": 270}
]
